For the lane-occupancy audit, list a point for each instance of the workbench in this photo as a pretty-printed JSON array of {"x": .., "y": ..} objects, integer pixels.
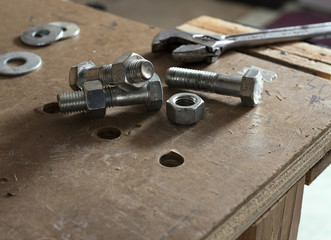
[{"x": 244, "y": 169}]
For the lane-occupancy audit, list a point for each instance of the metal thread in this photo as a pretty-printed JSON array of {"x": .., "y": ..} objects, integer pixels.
[
  {"x": 191, "y": 79},
  {"x": 204, "y": 81},
  {"x": 105, "y": 74},
  {"x": 140, "y": 70},
  {"x": 70, "y": 102}
]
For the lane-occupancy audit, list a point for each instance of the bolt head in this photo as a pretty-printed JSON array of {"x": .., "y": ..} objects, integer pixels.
[
  {"x": 76, "y": 75},
  {"x": 120, "y": 70},
  {"x": 95, "y": 99},
  {"x": 251, "y": 87},
  {"x": 185, "y": 108},
  {"x": 155, "y": 92}
]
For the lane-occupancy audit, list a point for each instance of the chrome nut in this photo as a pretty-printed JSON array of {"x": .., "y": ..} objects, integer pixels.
[
  {"x": 76, "y": 75},
  {"x": 155, "y": 92},
  {"x": 251, "y": 87},
  {"x": 95, "y": 99},
  {"x": 131, "y": 69},
  {"x": 185, "y": 108}
]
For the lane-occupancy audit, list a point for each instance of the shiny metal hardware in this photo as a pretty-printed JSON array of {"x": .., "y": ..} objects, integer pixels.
[
  {"x": 195, "y": 47},
  {"x": 30, "y": 61},
  {"x": 94, "y": 98},
  {"x": 248, "y": 87}
]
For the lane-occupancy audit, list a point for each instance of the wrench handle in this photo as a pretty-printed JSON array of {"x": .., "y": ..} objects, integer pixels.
[{"x": 276, "y": 35}]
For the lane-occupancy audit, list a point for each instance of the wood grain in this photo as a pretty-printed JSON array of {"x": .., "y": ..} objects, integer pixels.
[
  {"x": 281, "y": 221},
  {"x": 60, "y": 181}
]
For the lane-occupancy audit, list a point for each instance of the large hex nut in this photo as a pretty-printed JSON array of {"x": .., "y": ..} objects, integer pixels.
[
  {"x": 185, "y": 108},
  {"x": 95, "y": 99},
  {"x": 120, "y": 72},
  {"x": 76, "y": 75},
  {"x": 251, "y": 87},
  {"x": 155, "y": 92}
]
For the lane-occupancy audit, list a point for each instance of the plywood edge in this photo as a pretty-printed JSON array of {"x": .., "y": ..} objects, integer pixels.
[
  {"x": 250, "y": 211},
  {"x": 301, "y": 55},
  {"x": 318, "y": 168}
]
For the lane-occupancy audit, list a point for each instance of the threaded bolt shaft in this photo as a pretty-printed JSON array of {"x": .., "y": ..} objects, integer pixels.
[
  {"x": 204, "y": 81},
  {"x": 70, "y": 102},
  {"x": 138, "y": 71}
]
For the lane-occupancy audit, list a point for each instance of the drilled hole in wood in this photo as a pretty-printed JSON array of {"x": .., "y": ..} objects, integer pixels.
[
  {"x": 15, "y": 62},
  {"x": 108, "y": 133},
  {"x": 51, "y": 108},
  {"x": 171, "y": 159},
  {"x": 3, "y": 180}
]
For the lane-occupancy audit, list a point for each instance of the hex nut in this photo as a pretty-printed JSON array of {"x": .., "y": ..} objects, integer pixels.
[
  {"x": 95, "y": 99},
  {"x": 76, "y": 74},
  {"x": 185, "y": 108},
  {"x": 120, "y": 72},
  {"x": 155, "y": 92},
  {"x": 251, "y": 87}
]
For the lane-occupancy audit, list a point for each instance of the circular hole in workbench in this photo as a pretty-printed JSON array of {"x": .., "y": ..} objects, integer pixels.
[
  {"x": 51, "y": 108},
  {"x": 15, "y": 62},
  {"x": 171, "y": 159},
  {"x": 107, "y": 133},
  {"x": 3, "y": 180}
]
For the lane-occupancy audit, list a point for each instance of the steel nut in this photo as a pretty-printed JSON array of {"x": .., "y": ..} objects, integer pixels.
[
  {"x": 155, "y": 92},
  {"x": 185, "y": 108},
  {"x": 122, "y": 71},
  {"x": 251, "y": 87},
  {"x": 76, "y": 75},
  {"x": 95, "y": 99}
]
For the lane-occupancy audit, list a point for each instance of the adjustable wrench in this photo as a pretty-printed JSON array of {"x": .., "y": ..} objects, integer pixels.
[{"x": 195, "y": 47}]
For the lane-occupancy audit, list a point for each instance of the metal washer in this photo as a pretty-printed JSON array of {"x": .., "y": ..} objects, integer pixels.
[
  {"x": 51, "y": 34},
  {"x": 32, "y": 62},
  {"x": 69, "y": 29}
]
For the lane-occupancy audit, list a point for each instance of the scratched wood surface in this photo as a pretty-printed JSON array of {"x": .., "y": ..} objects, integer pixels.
[{"x": 59, "y": 181}]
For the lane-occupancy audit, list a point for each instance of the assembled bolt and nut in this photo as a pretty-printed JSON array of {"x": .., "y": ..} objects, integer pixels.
[
  {"x": 131, "y": 80},
  {"x": 94, "y": 98},
  {"x": 130, "y": 69}
]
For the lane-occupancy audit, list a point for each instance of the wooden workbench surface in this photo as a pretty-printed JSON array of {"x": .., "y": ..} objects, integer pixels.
[{"x": 59, "y": 181}]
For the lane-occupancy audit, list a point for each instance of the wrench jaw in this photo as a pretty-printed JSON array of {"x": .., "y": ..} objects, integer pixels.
[
  {"x": 185, "y": 47},
  {"x": 192, "y": 53},
  {"x": 169, "y": 40}
]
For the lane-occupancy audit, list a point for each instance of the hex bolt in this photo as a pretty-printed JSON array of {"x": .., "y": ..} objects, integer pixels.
[
  {"x": 96, "y": 98},
  {"x": 248, "y": 87},
  {"x": 129, "y": 68},
  {"x": 139, "y": 70}
]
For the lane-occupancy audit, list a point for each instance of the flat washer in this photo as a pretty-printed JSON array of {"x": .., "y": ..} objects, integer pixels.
[
  {"x": 69, "y": 29},
  {"x": 32, "y": 62},
  {"x": 41, "y": 35}
]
